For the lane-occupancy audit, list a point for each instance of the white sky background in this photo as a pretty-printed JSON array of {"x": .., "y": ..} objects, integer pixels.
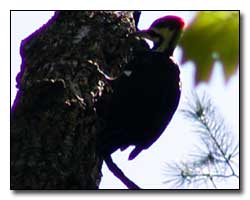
[{"x": 148, "y": 168}]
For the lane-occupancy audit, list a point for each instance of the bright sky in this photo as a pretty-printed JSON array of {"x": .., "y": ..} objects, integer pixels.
[{"x": 148, "y": 168}]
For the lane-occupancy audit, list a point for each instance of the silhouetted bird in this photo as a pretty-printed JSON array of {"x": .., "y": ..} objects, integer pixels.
[{"x": 146, "y": 97}]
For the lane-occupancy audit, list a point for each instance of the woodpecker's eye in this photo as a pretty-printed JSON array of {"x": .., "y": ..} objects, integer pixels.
[{"x": 155, "y": 36}]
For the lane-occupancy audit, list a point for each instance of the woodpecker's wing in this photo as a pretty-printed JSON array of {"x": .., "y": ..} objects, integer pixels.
[{"x": 142, "y": 104}]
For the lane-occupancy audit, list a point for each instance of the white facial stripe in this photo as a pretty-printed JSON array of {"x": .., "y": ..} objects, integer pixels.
[{"x": 166, "y": 35}]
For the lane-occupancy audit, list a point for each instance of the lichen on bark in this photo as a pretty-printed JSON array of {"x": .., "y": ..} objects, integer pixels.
[{"x": 54, "y": 125}]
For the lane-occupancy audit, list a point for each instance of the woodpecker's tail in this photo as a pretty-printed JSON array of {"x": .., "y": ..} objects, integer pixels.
[{"x": 119, "y": 174}]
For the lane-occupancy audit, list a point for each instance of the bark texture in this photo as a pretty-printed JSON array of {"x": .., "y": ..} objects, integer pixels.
[{"x": 54, "y": 125}]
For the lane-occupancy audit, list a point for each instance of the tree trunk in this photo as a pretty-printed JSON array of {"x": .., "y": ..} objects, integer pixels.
[{"x": 54, "y": 125}]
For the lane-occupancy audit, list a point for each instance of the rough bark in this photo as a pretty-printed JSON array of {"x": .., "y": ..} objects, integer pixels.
[{"x": 54, "y": 126}]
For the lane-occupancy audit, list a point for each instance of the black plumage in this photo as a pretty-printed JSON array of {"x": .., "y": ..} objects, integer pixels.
[{"x": 142, "y": 104}]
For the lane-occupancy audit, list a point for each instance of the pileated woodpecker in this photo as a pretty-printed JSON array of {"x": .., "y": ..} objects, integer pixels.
[{"x": 144, "y": 99}]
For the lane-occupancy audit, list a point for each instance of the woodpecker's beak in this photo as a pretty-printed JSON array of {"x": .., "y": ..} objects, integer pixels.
[{"x": 147, "y": 34}]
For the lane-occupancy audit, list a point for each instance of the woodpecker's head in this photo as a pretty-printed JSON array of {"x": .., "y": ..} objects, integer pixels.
[{"x": 164, "y": 33}]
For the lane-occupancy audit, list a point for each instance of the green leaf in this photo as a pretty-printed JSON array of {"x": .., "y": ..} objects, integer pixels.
[{"x": 212, "y": 36}]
